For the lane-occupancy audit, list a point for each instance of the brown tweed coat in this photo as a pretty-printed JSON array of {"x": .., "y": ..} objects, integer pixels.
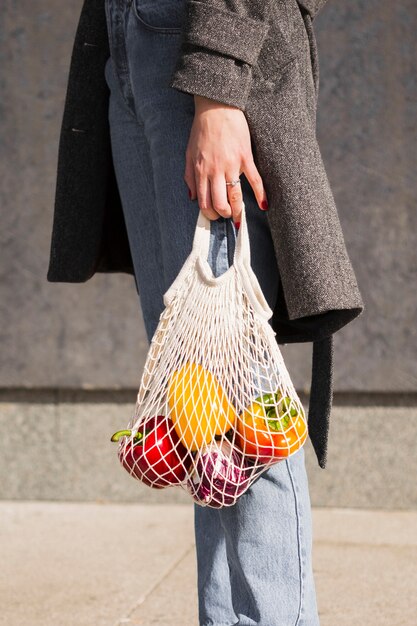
[{"x": 261, "y": 56}]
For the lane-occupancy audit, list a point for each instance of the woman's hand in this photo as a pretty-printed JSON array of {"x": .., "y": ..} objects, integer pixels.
[{"x": 219, "y": 150}]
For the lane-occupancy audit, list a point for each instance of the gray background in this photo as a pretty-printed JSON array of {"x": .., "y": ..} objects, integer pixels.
[{"x": 90, "y": 336}]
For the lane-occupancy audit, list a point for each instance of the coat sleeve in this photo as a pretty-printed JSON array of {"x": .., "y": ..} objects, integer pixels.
[{"x": 221, "y": 42}]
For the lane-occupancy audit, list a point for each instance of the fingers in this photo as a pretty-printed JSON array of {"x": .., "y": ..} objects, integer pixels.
[
  {"x": 254, "y": 178},
  {"x": 215, "y": 198},
  {"x": 198, "y": 187},
  {"x": 204, "y": 197},
  {"x": 219, "y": 196},
  {"x": 235, "y": 196},
  {"x": 189, "y": 176}
]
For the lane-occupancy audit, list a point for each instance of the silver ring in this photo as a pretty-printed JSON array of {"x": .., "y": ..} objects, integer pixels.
[{"x": 233, "y": 182}]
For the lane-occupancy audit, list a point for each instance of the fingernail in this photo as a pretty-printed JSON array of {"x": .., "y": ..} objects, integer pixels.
[
  {"x": 264, "y": 205},
  {"x": 237, "y": 225},
  {"x": 189, "y": 193}
]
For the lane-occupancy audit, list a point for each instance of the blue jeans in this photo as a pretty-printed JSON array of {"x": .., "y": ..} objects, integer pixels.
[{"x": 253, "y": 559}]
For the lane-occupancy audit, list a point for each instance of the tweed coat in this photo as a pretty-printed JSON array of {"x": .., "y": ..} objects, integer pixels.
[{"x": 260, "y": 56}]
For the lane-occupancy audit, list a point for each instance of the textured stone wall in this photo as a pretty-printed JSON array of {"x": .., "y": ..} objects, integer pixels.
[
  {"x": 91, "y": 335},
  {"x": 56, "y": 446},
  {"x": 367, "y": 129}
]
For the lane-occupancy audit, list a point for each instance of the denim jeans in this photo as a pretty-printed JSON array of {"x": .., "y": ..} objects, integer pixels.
[{"x": 254, "y": 558}]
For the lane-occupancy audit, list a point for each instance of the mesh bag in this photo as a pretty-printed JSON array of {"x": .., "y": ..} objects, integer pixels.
[{"x": 216, "y": 406}]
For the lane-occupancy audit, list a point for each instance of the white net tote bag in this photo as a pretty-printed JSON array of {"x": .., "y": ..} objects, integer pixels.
[{"x": 216, "y": 406}]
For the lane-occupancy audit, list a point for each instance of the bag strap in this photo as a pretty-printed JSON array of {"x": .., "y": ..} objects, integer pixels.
[
  {"x": 321, "y": 397},
  {"x": 201, "y": 241},
  {"x": 200, "y": 249}
]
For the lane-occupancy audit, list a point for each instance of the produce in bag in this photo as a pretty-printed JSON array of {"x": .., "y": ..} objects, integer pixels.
[
  {"x": 154, "y": 453},
  {"x": 218, "y": 478},
  {"x": 271, "y": 427},
  {"x": 215, "y": 380},
  {"x": 198, "y": 406}
]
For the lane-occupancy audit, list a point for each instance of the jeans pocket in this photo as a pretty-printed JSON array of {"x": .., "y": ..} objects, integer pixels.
[{"x": 160, "y": 16}]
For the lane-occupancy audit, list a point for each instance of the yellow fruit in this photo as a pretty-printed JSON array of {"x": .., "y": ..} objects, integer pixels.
[{"x": 199, "y": 407}]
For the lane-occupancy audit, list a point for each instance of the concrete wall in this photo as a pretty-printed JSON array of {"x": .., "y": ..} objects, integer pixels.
[
  {"x": 366, "y": 129},
  {"x": 56, "y": 446},
  {"x": 57, "y": 337}
]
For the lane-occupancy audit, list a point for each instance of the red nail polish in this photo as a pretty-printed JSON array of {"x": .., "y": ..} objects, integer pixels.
[
  {"x": 237, "y": 225},
  {"x": 264, "y": 205},
  {"x": 189, "y": 193}
]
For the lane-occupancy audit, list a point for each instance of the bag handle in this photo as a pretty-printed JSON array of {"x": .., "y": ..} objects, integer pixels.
[
  {"x": 241, "y": 259},
  {"x": 200, "y": 249},
  {"x": 201, "y": 241}
]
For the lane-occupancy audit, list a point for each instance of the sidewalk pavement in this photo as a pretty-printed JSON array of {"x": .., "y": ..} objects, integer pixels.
[{"x": 99, "y": 564}]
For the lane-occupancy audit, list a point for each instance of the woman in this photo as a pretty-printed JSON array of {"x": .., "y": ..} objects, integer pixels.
[{"x": 220, "y": 94}]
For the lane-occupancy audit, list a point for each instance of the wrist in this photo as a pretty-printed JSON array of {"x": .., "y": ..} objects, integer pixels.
[{"x": 203, "y": 103}]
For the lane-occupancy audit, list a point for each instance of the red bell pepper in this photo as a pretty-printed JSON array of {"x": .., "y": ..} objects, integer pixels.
[{"x": 154, "y": 455}]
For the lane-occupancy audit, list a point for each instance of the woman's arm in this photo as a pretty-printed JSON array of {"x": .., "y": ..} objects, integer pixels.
[{"x": 222, "y": 39}]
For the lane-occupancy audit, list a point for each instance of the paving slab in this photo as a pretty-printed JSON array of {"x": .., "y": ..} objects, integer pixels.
[
  {"x": 174, "y": 600},
  {"x": 67, "y": 564},
  {"x": 365, "y": 565},
  {"x": 99, "y": 564}
]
